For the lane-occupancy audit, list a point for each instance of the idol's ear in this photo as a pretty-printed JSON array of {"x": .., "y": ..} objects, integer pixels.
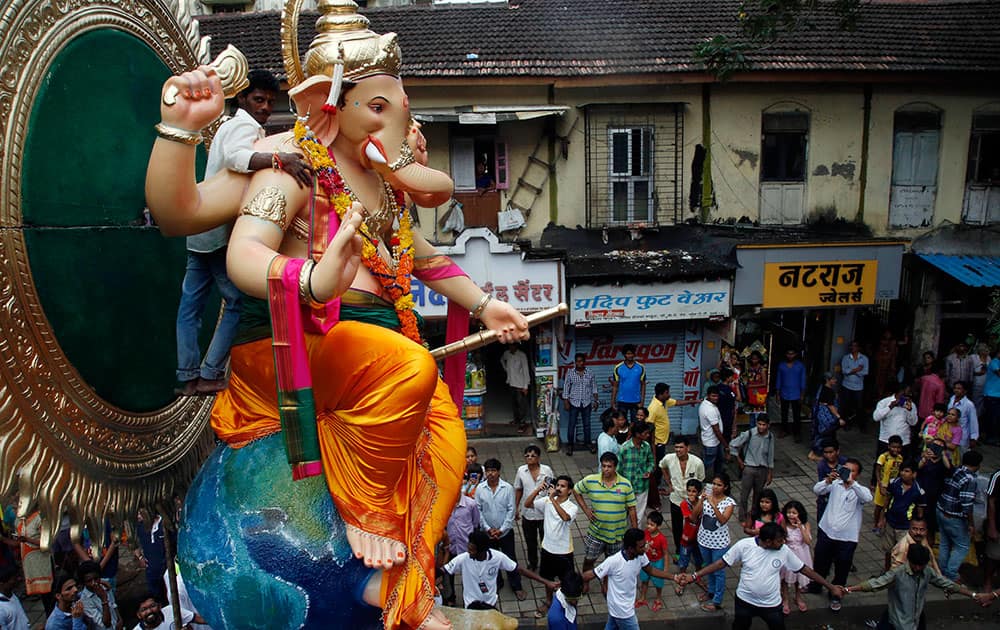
[{"x": 310, "y": 96}]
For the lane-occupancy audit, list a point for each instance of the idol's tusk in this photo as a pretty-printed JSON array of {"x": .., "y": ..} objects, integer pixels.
[
  {"x": 374, "y": 154},
  {"x": 484, "y": 337}
]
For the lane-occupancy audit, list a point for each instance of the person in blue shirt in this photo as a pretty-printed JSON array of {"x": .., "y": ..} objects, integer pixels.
[
  {"x": 791, "y": 386},
  {"x": 628, "y": 384},
  {"x": 68, "y": 613},
  {"x": 991, "y": 402},
  {"x": 562, "y": 613}
]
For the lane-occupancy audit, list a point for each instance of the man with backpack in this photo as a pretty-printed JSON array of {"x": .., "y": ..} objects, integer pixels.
[{"x": 754, "y": 451}]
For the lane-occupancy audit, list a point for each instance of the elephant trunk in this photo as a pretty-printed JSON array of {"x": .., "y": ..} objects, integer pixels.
[{"x": 428, "y": 187}]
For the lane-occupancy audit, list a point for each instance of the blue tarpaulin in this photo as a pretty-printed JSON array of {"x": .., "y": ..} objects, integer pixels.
[{"x": 973, "y": 271}]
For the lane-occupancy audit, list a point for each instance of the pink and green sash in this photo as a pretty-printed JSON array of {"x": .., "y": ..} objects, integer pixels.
[{"x": 290, "y": 321}]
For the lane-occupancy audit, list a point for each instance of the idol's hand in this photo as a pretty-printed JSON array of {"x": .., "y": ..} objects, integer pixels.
[
  {"x": 335, "y": 272},
  {"x": 502, "y": 318},
  {"x": 193, "y": 100}
]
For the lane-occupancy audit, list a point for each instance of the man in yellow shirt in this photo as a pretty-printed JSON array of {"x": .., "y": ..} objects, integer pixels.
[{"x": 659, "y": 417}]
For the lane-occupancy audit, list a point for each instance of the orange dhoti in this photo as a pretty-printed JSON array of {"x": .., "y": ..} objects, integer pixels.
[{"x": 392, "y": 443}]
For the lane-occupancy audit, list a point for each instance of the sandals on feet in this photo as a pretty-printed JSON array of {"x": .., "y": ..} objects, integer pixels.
[
  {"x": 656, "y": 605},
  {"x": 709, "y": 607},
  {"x": 639, "y": 603},
  {"x": 801, "y": 603},
  {"x": 678, "y": 590},
  {"x": 786, "y": 610},
  {"x": 704, "y": 597}
]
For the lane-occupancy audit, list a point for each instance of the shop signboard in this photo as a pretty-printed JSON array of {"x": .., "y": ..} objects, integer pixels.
[
  {"x": 528, "y": 285},
  {"x": 670, "y": 355},
  {"x": 650, "y": 302},
  {"x": 840, "y": 283}
]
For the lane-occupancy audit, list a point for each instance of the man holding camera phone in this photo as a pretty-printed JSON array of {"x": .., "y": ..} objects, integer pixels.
[
  {"x": 840, "y": 526},
  {"x": 896, "y": 415},
  {"x": 551, "y": 499}
]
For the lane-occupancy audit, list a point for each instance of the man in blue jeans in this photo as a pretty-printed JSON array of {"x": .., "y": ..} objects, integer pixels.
[
  {"x": 232, "y": 148},
  {"x": 628, "y": 384},
  {"x": 715, "y": 448},
  {"x": 956, "y": 523},
  {"x": 791, "y": 386},
  {"x": 579, "y": 397}
]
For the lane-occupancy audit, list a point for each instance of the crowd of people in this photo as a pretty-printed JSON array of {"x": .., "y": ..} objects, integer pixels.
[{"x": 922, "y": 488}]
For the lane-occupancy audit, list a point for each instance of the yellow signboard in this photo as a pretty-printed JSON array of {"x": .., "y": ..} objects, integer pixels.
[{"x": 829, "y": 283}]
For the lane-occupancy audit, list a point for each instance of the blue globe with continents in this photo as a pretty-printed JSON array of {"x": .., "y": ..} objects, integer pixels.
[{"x": 258, "y": 550}]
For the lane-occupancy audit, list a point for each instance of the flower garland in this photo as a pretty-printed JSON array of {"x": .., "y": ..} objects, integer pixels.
[{"x": 396, "y": 282}]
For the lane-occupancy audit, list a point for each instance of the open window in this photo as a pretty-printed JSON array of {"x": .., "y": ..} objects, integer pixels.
[
  {"x": 479, "y": 169},
  {"x": 982, "y": 191}
]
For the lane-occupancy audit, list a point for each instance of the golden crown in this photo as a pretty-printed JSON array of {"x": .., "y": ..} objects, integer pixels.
[{"x": 343, "y": 36}]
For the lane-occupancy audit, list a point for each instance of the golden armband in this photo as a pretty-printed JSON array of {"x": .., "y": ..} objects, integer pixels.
[{"x": 269, "y": 204}]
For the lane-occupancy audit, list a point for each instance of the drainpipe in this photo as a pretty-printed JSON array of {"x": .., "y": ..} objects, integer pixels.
[
  {"x": 865, "y": 138},
  {"x": 553, "y": 186},
  {"x": 706, "y": 141}
]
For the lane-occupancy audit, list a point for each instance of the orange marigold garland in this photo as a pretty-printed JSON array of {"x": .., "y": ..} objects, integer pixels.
[{"x": 395, "y": 281}]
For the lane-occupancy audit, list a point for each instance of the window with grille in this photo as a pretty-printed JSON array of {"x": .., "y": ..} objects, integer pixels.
[{"x": 634, "y": 165}]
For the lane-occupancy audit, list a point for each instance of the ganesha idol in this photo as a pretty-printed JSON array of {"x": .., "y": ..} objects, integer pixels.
[{"x": 328, "y": 365}]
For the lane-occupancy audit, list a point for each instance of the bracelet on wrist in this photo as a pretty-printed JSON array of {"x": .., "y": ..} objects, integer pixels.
[
  {"x": 306, "y": 296},
  {"x": 276, "y": 163},
  {"x": 176, "y": 134},
  {"x": 483, "y": 301}
]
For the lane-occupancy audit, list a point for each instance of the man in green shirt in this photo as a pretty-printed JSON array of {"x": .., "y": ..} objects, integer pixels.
[
  {"x": 611, "y": 513},
  {"x": 907, "y": 586},
  {"x": 636, "y": 463}
]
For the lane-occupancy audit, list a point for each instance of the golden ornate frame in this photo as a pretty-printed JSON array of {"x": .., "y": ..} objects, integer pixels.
[{"x": 65, "y": 448}]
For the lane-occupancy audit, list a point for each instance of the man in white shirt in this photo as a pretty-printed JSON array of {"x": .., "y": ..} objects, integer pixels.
[
  {"x": 530, "y": 475},
  {"x": 232, "y": 149},
  {"x": 558, "y": 513},
  {"x": 12, "y": 615},
  {"x": 480, "y": 567},
  {"x": 515, "y": 364},
  {"x": 896, "y": 415},
  {"x": 854, "y": 368},
  {"x": 969, "y": 420},
  {"x": 758, "y": 593},
  {"x": 841, "y": 523},
  {"x": 715, "y": 448},
  {"x": 678, "y": 468},
  {"x": 621, "y": 570}
]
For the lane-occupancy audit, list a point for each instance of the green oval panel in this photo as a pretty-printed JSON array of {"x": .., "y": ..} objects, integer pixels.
[{"x": 109, "y": 284}]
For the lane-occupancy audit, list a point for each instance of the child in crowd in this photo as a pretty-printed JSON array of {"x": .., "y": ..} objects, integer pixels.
[
  {"x": 906, "y": 501},
  {"x": 688, "y": 552},
  {"x": 656, "y": 551},
  {"x": 886, "y": 469},
  {"x": 950, "y": 433},
  {"x": 642, "y": 414},
  {"x": 766, "y": 511},
  {"x": 471, "y": 456},
  {"x": 928, "y": 430},
  {"x": 606, "y": 442},
  {"x": 798, "y": 538},
  {"x": 622, "y": 433}
]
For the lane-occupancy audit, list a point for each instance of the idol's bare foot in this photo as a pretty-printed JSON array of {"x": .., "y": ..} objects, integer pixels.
[
  {"x": 436, "y": 621},
  {"x": 375, "y": 551}
]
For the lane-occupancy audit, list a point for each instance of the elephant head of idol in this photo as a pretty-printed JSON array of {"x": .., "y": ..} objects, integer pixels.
[{"x": 352, "y": 76}]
